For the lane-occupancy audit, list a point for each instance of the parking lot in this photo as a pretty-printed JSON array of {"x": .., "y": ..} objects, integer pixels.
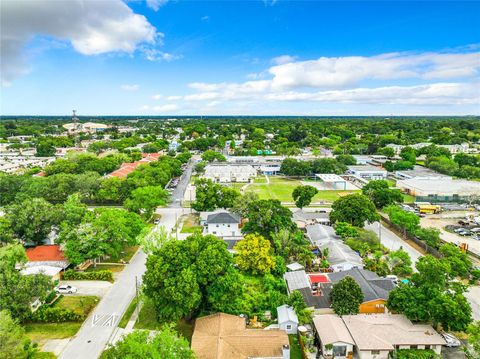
[{"x": 442, "y": 220}]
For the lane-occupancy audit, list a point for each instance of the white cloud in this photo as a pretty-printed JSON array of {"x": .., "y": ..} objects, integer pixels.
[
  {"x": 130, "y": 87},
  {"x": 155, "y": 5},
  {"x": 284, "y": 59},
  {"x": 174, "y": 98},
  {"x": 358, "y": 80},
  {"x": 91, "y": 27},
  {"x": 153, "y": 54},
  {"x": 157, "y": 96}
]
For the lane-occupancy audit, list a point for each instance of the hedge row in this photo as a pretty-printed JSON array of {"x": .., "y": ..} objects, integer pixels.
[
  {"x": 55, "y": 315},
  {"x": 98, "y": 275},
  {"x": 415, "y": 354}
]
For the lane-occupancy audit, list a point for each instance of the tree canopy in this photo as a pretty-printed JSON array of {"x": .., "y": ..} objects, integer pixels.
[
  {"x": 346, "y": 297},
  {"x": 354, "y": 209}
]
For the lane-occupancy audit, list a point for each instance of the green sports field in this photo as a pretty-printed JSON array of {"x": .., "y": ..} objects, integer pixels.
[{"x": 281, "y": 188}]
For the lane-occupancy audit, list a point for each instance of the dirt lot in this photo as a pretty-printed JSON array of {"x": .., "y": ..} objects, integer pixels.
[{"x": 450, "y": 218}]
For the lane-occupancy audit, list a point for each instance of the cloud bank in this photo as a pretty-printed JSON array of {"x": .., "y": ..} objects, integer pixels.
[{"x": 91, "y": 27}]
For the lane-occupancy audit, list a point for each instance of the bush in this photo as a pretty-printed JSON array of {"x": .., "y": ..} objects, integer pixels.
[
  {"x": 98, "y": 275},
  {"x": 55, "y": 315},
  {"x": 50, "y": 296},
  {"x": 415, "y": 354}
]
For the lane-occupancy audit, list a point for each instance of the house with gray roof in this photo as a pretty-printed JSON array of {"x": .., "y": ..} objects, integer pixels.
[
  {"x": 318, "y": 233},
  {"x": 223, "y": 224}
]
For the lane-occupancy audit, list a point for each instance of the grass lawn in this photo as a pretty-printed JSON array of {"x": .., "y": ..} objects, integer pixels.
[
  {"x": 111, "y": 267},
  {"x": 79, "y": 304},
  {"x": 295, "y": 350},
  {"x": 125, "y": 255},
  {"x": 128, "y": 313},
  {"x": 281, "y": 188},
  {"x": 44, "y": 355},
  {"x": 191, "y": 224},
  {"x": 147, "y": 319},
  {"x": 43, "y": 331}
]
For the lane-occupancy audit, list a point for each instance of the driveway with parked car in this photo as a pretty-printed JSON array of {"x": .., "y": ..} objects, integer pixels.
[{"x": 88, "y": 287}]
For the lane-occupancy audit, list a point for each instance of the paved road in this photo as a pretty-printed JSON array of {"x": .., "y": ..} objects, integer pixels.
[
  {"x": 179, "y": 191},
  {"x": 394, "y": 242},
  {"x": 97, "y": 330},
  {"x": 100, "y": 325}
]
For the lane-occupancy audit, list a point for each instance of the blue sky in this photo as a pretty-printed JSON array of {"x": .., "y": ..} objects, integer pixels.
[{"x": 163, "y": 57}]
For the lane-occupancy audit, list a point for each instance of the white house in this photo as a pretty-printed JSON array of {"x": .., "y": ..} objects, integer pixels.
[
  {"x": 287, "y": 319},
  {"x": 340, "y": 256},
  {"x": 334, "y": 338},
  {"x": 223, "y": 224},
  {"x": 368, "y": 172}
]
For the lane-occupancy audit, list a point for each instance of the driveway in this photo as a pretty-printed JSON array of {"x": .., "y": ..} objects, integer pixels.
[
  {"x": 453, "y": 353},
  {"x": 89, "y": 287},
  {"x": 394, "y": 242}
]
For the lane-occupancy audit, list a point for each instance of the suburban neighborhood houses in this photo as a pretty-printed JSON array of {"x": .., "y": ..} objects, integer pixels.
[{"x": 228, "y": 257}]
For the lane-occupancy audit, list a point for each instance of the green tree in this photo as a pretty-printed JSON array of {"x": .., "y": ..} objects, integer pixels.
[
  {"x": 254, "y": 254},
  {"x": 292, "y": 246},
  {"x": 459, "y": 262},
  {"x": 409, "y": 154},
  {"x": 268, "y": 216},
  {"x": 242, "y": 203},
  {"x": 408, "y": 221},
  {"x": 399, "y": 263},
  {"x": 296, "y": 301},
  {"x": 302, "y": 195},
  {"x": 354, "y": 209},
  {"x": 346, "y": 297},
  {"x": 33, "y": 219},
  {"x": 346, "y": 230},
  {"x": 432, "y": 296},
  {"x": 144, "y": 200},
  {"x": 431, "y": 236},
  {"x": 16, "y": 290},
  {"x": 211, "y": 156},
  {"x": 380, "y": 193},
  {"x": 7, "y": 234},
  {"x": 347, "y": 160},
  {"x": 180, "y": 272},
  {"x": 473, "y": 332},
  {"x": 139, "y": 344},
  {"x": 13, "y": 341},
  {"x": 45, "y": 148}
]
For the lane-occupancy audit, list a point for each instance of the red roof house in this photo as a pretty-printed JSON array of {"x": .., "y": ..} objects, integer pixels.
[
  {"x": 318, "y": 278},
  {"x": 46, "y": 255}
]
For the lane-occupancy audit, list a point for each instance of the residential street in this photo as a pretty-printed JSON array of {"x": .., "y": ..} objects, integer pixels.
[
  {"x": 97, "y": 330},
  {"x": 394, "y": 242}
]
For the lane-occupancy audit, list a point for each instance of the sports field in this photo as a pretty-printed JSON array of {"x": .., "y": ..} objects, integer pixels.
[{"x": 281, "y": 188}]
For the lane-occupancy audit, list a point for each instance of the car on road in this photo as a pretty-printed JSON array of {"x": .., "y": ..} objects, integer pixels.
[
  {"x": 65, "y": 289},
  {"x": 156, "y": 221},
  {"x": 452, "y": 340}
]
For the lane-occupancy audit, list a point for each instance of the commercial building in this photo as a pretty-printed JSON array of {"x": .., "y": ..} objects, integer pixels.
[
  {"x": 419, "y": 172},
  {"x": 368, "y": 172},
  {"x": 440, "y": 189},
  {"x": 227, "y": 173}
]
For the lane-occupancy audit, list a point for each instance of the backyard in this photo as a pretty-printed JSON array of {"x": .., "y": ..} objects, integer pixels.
[{"x": 191, "y": 224}]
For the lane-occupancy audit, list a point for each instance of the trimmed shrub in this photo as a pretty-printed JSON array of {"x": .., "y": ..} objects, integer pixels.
[
  {"x": 98, "y": 275},
  {"x": 55, "y": 315},
  {"x": 415, "y": 354}
]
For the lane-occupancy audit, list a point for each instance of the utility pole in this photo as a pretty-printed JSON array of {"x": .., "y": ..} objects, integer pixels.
[
  {"x": 380, "y": 230},
  {"x": 136, "y": 296}
]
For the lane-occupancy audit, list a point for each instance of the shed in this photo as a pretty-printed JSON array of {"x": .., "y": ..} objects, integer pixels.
[{"x": 287, "y": 319}]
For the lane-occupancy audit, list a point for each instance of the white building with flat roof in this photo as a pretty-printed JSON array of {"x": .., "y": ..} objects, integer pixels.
[
  {"x": 226, "y": 173},
  {"x": 440, "y": 190},
  {"x": 368, "y": 172}
]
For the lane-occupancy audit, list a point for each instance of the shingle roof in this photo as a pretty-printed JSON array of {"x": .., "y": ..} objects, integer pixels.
[
  {"x": 319, "y": 233},
  {"x": 331, "y": 329},
  {"x": 384, "y": 331},
  {"x": 373, "y": 286},
  {"x": 320, "y": 301},
  {"x": 339, "y": 252},
  {"x": 224, "y": 336},
  {"x": 223, "y": 217}
]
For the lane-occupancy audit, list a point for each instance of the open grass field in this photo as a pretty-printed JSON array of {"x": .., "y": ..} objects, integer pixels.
[
  {"x": 147, "y": 319},
  {"x": 281, "y": 188}
]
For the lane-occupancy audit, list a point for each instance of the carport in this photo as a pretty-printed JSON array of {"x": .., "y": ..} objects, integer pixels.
[{"x": 332, "y": 179}]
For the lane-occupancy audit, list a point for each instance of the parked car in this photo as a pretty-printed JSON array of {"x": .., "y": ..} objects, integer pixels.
[
  {"x": 465, "y": 233},
  {"x": 475, "y": 230},
  {"x": 452, "y": 340},
  {"x": 463, "y": 223},
  {"x": 65, "y": 289},
  {"x": 157, "y": 221}
]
